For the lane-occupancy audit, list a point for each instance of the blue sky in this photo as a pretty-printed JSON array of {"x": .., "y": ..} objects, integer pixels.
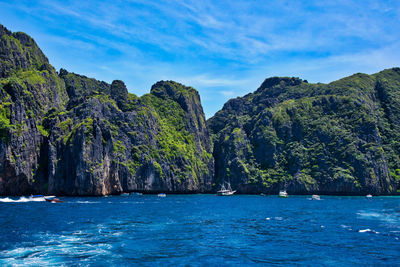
[{"x": 222, "y": 48}]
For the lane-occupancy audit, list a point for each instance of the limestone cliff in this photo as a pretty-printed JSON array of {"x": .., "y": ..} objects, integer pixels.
[
  {"x": 71, "y": 135},
  {"x": 337, "y": 138}
]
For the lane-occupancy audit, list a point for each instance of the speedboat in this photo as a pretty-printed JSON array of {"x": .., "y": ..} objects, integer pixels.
[
  {"x": 315, "y": 197},
  {"x": 40, "y": 198},
  {"x": 368, "y": 196},
  {"x": 162, "y": 195},
  {"x": 283, "y": 193},
  {"x": 226, "y": 191},
  {"x": 53, "y": 200},
  {"x": 124, "y": 194}
]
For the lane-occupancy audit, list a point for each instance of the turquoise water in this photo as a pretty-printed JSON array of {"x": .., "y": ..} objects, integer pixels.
[{"x": 199, "y": 230}]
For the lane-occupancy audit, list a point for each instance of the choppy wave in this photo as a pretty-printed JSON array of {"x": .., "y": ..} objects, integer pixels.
[
  {"x": 184, "y": 230},
  {"x": 346, "y": 227},
  {"x": 367, "y": 230},
  {"x": 388, "y": 216},
  {"x": 68, "y": 247}
]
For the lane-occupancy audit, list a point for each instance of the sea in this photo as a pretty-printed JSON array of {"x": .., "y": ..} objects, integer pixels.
[{"x": 200, "y": 230}]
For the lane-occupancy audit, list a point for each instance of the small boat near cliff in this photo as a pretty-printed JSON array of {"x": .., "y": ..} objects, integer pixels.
[
  {"x": 226, "y": 191},
  {"x": 124, "y": 194},
  {"x": 283, "y": 194},
  {"x": 315, "y": 197},
  {"x": 162, "y": 195},
  {"x": 39, "y": 198}
]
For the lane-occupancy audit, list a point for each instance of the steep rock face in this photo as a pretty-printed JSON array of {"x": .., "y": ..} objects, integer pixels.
[
  {"x": 69, "y": 134},
  {"x": 339, "y": 138},
  {"x": 29, "y": 87},
  {"x": 107, "y": 144},
  {"x": 72, "y": 135},
  {"x": 18, "y": 51}
]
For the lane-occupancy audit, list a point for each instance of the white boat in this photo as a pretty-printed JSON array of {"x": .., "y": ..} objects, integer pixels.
[
  {"x": 226, "y": 191},
  {"x": 315, "y": 197},
  {"x": 162, "y": 195},
  {"x": 39, "y": 198},
  {"x": 368, "y": 196},
  {"x": 124, "y": 194},
  {"x": 283, "y": 193},
  {"x": 36, "y": 196}
]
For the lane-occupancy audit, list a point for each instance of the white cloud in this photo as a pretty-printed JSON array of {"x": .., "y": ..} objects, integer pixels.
[
  {"x": 222, "y": 48},
  {"x": 240, "y": 31}
]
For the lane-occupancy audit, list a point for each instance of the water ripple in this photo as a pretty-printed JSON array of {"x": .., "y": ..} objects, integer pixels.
[{"x": 240, "y": 230}]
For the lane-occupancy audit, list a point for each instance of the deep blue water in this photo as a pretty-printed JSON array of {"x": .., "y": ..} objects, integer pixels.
[{"x": 198, "y": 230}]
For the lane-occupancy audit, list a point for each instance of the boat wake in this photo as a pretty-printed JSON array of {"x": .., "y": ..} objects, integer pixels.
[
  {"x": 22, "y": 199},
  {"x": 65, "y": 245}
]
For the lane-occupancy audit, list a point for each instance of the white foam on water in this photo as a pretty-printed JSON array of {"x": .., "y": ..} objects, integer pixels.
[
  {"x": 117, "y": 234},
  {"x": 70, "y": 239},
  {"x": 52, "y": 249},
  {"x": 87, "y": 202},
  {"x": 369, "y": 214},
  {"x": 7, "y": 199},
  {"x": 30, "y": 256},
  {"x": 22, "y": 200},
  {"x": 346, "y": 227},
  {"x": 367, "y": 230},
  {"x": 382, "y": 216}
]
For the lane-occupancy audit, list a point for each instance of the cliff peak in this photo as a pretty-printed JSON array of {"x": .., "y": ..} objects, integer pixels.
[
  {"x": 19, "y": 51},
  {"x": 282, "y": 81},
  {"x": 118, "y": 88},
  {"x": 171, "y": 89},
  {"x": 4, "y": 30}
]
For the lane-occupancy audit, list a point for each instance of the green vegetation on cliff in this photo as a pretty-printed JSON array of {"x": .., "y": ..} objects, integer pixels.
[
  {"x": 69, "y": 134},
  {"x": 177, "y": 136},
  {"x": 336, "y": 138}
]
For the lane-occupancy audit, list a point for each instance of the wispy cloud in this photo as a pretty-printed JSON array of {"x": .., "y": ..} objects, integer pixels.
[{"x": 223, "y": 48}]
